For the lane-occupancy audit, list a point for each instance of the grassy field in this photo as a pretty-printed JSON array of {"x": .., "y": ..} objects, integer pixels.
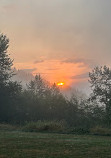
[{"x": 43, "y": 145}]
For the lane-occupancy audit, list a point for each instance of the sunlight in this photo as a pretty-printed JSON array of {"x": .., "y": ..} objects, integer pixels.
[{"x": 60, "y": 83}]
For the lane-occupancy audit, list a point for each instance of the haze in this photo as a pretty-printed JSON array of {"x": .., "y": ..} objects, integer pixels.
[{"x": 61, "y": 39}]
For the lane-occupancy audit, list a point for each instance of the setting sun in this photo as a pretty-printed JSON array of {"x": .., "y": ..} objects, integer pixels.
[{"x": 60, "y": 83}]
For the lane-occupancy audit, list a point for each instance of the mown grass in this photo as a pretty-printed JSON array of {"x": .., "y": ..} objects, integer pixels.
[{"x": 47, "y": 145}]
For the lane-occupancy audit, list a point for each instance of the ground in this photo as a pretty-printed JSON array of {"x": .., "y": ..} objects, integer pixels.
[{"x": 47, "y": 145}]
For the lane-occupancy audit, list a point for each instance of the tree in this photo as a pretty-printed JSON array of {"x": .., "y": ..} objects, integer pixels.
[
  {"x": 38, "y": 86},
  {"x": 5, "y": 61},
  {"x": 44, "y": 101},
  {"x": 9, "y": 90},
  {"x": 100, "y": 80}
]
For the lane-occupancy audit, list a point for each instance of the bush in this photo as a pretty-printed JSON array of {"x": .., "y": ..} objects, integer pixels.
[
  {"x": 41, "y": 126},
  {"x": 100, "y": 131},
  {"x": 79, "y": 130},
  {"x": 8, "y": 127}
]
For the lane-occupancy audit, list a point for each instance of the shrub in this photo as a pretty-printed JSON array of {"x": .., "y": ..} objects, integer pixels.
[
  {"x": 79, "y": 130},
  {"x": 8, "y": 127},
  {"x": 100, "y": 131},
  {"x": 41, "y": 126}
]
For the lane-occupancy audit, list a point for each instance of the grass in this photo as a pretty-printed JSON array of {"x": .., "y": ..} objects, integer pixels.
[{"x": 47, "y": 145}]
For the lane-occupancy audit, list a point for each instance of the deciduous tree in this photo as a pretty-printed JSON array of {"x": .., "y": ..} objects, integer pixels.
[{"x": 100, "y": 80}]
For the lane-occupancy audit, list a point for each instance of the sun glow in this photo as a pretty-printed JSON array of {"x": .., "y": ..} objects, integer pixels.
[{"x": 60, "y": 83}]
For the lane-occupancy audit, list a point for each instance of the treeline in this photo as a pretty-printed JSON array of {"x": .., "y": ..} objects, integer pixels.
[{"x": 42, "y": 101}]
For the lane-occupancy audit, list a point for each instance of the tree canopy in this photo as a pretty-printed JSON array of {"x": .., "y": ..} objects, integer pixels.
[
  {"x": 100, "y": 80},
  {"x": 5, "y": 61}
]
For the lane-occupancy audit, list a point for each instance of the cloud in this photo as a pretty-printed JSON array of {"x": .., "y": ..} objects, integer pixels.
[
  {"x": 29, "y": 70},
  {"x": 59, "y": 28},
  {"x": 68, "y": 60},
  {"x": 38, "y": 61},
  {"x": 90, "y": 63},
  {"x": 81, "y": 76}
]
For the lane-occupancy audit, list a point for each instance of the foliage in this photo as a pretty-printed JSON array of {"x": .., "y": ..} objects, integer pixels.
[
  {"x": 41, "y": 126},
  {"x": 79, "y": 130},
  {"x": 43, "y": 101},
  {"x": 100, "y": 80},
  {"x": 38, "y": 87},
  {"x": 98, "y": 130},
  {"x": 8, "y": 127},
  {"x": 9, "y": 90},
  {"x": 5, "y": 61}
]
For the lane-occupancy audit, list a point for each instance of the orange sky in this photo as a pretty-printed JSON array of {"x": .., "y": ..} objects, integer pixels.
[
  {"x": 57, "y": 71},
  {"x": 60, "y": 39}
]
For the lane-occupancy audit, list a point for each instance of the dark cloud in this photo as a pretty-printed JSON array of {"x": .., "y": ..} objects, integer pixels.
[
  {"x": 81, "y": 76},
  {"x": 72, "y": 60},
  {"x": 88, "y": 62}
]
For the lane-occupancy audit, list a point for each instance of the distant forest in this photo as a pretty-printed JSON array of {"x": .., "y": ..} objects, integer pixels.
[{"x": 42, "y": 101}]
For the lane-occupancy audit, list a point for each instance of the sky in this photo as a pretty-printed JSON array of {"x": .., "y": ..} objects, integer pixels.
[{"x": 60, "y": 39}]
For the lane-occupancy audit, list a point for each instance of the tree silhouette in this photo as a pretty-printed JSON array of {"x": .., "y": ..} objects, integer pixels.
[
  {"x": 100, "y": 80},
  {"x": 9, "y": 90},
  {"x": 5, "y": 61}
]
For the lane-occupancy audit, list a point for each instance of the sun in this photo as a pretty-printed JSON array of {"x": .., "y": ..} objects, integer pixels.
[{"x": 60, "y": 83}]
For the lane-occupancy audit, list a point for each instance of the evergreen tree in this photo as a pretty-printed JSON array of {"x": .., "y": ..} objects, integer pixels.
[
  {"x": 5, "y": 61},
  {"x": 9, "y": 90}
]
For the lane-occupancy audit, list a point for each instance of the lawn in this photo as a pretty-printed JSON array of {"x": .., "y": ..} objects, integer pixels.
[{"x": 47, "y": 145}]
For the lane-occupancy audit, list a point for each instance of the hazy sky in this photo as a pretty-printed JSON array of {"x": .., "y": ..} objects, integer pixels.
[{"x": 61, "y": 39}]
